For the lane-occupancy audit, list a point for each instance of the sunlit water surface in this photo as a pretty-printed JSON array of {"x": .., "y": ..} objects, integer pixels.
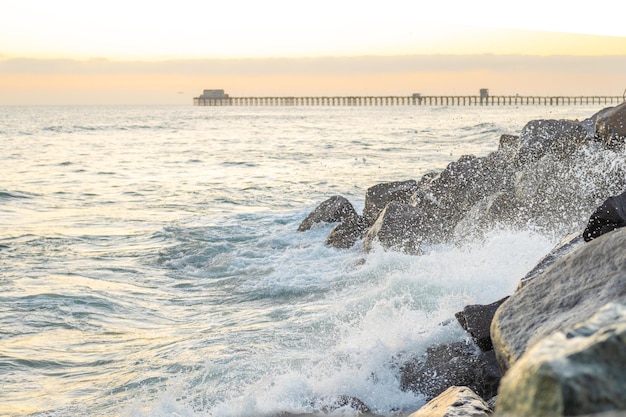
[{"x": 150, "y": 265}]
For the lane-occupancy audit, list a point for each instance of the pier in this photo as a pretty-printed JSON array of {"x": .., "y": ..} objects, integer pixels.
[{"x": 414, "y": 100}]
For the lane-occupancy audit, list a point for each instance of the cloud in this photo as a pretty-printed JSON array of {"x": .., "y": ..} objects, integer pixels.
[{"x": 323, "y": 65}]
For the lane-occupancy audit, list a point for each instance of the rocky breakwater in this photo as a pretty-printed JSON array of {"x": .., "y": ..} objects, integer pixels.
[{"x": 560, "y": 339}]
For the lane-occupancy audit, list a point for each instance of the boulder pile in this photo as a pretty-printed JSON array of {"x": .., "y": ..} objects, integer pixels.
[{"x": 557, "y": 345}]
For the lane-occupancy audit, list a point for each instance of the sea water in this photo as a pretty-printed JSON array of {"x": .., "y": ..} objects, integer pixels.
[{"x": 150, "y": 264}]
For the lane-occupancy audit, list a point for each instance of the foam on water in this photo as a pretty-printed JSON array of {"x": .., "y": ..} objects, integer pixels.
[{"x": 341, "y": 323}]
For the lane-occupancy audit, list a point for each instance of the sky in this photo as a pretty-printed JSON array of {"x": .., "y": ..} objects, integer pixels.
[{"x": 167, "y": 52}]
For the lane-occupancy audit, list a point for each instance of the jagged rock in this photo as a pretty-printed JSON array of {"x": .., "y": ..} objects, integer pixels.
[
  {"x": 335, "y": 209},
  {"x": 458, "y": 363},
  {"x": 332, "y": 404},
  {"x": 556, "y": 195},
  {"x": 609, "y": 216},
  {"x": 565, "y": 246},
  {"x": 461, "y": 185},
  {"x": 509, "y": 143},
  {"x": 610, "y": 126},
  {"x": 571, "y": 372},
  {"x": 476, "y": 320},
  {"x": 378, "y": 196},
  {"x": 569, "y": 291},
  {"x": 558, "y": 137},
  {"x": 346, "y": 234},
  {"x": 497, "y": 209},
  {"x": 455, "y": 402},
  {"x": 399, "y": 227}
]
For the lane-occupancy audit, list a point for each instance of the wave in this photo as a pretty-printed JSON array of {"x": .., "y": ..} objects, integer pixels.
[{"x": 15, "y": 195}]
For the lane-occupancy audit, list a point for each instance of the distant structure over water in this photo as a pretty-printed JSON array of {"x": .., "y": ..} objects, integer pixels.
[{"x": 220, "y": 98}]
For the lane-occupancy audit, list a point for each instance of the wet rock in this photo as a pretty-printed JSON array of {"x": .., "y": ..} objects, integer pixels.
[
  {"x": 399, "y": 227},
  {"x": 332, "y": 404},
  {"x": 569, "y": 291},
  {"x": 571, "y": 372},
  {"x": 499, "y": 209},
  {"x": 335, "y": 209},
  {"x": 378, "y": 196},
  {"x": 558, "y": 137},
  {"x": 459, "y": 363},
  {"x": 464, "y": 183},
  {"x": 347, "y": 233},
  {"x": 570, "y": 243},
  {"x": 509, "y": 143},
  {"x": 609, "y": 216},
  {"x": 455, "y": 401},
  {"x": 476, "y": 320},
  {"x": 610, "y": 126}
]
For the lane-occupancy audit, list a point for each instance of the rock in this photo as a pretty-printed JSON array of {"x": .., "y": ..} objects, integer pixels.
[
  {"x": 565, "y": 246},
  {"x": 558, "y": 137},
  {"x": 399, "y": 227},
  {"x": 457, "y": 363},
  {"x": 462, "y": 184},
  {"x": 609, "y": 216},
  {"x": 571, "y": 372},
  {"x": 556, "y": 195},
  {"x": 455, "y": 401},
  {"x": 378, "y": 196},
  {"x": 346, "y": 234},
  {"x": 610, "y": 126},
  {"x": 509, "y": 143},
  {"x": 335, "y": 209},
  {"x": 497, "y": 209},
  {"x": 569, "y": 291},
  {"x": 333, "y": 404},
  {"x": 476, "y": 320}
]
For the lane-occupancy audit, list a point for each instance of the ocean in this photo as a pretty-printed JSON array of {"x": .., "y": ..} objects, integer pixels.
[{"x": 150, "y": 264}]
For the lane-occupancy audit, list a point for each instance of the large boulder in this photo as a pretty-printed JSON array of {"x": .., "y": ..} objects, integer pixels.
[
  {"x": 399, "y": 227},
  {"x": 455, "y": 402},
  {"x": 569, "y": 244},
  {"x": 609, "y": 216},
  {"x": 378, "y": 196},
  {"x": 573, "y": 372},
  {"x": 569, "y": 291},
  {"x": 559, "y": 137},
  {"x": 610, "y": 125},
  {"x": 335, "y": 209}
]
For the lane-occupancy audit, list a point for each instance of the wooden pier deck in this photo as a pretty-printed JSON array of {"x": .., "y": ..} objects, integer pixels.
[{"x": 409, "y": 101}]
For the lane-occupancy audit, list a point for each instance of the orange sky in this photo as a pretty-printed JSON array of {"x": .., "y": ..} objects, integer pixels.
[{"x": 72, "y": 52}]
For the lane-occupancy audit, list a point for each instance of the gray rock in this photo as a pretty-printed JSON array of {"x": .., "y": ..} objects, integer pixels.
[
  {"x": 378, "y": 196},
  {"x": 609, "y": 216},
  {"x": 569, "y": 291},
  {"x": 557, "y": 194},
  {"x": 498, "y": 209},
  {"x": 335, "y": 209},
  {"x": 558, "y": 137},
  {"x": 610, "y": 126},
  {"x": 455, "y": 402},
  {"x": 509, "y": 143},
  {"x": 459, "y": 363},
  {"x": 347, "y": 233},
  {"x": 571, "y": 372},
  {"x": 570, "y": 243},
  {"x": 331, "y": 405},
  {"x": 476, "y": 320},
  {"x": 399, "y": 227}
]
